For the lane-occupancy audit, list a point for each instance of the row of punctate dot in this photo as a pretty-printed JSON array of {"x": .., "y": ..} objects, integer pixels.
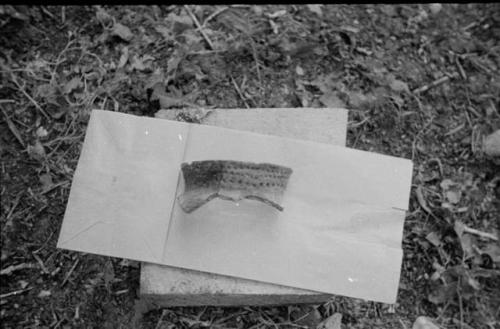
[
  {"x": 231, "y": 167},
  {"x": 248, "y": 183},
  {"x": 265, "y": 167},
  {"x": 252, "y": 177},
  {"x": 254, "y": 174}
]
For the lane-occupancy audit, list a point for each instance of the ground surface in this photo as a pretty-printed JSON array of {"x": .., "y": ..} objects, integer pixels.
[{"x": 58, "y": 63}]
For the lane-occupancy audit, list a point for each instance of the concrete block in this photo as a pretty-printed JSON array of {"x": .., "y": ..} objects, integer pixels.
[{"x": 166, "y": 286}]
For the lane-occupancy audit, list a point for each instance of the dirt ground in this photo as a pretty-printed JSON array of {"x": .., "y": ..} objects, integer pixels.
[{"x": 422, "y": 82}]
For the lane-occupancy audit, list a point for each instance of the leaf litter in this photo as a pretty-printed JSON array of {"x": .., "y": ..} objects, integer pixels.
[{"x": 388, "y": 64}]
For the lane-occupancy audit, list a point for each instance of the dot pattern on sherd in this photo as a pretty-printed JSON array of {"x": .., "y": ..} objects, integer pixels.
[{"x": 232, "y": 180}]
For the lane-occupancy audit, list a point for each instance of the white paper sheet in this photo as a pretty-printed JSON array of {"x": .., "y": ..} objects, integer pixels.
[{"x": 340, "y": 231}]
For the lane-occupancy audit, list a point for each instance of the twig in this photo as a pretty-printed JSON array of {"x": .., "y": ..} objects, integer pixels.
[
  {"x": 433, "y": 84},
  {"x": 239, "y": 92},
  {"x": 54, "y": 186},
  {"x": 200, "y": 28},
  {"x": 12, "y": 268},
  {"x": 460, "y": 303},
  {"x": 482, "y": 234},
  {"x": 213, "y": 15},
  {"x": 470, "y": 26},
  {"x": 160, "y": 320},
  {"x": 42, "y": 265},
  {"x": 422, "y": 202},
  {"x": 474, "y": 24},
  {"x": 474, "y": 62},
  {"x": 402, "y": 324},
  {"x": 455, "y": 130},
  {"x": 353, "y": 124},
  {"x": 44, "y": 244},
  {"x": 205, "y": 52},
  {"x": 63, "y": 14},
  {"x": 120, "y": 292},
  {"x": 66, "y": 133},
  {"x": 417, "y": 136},
  {"x": 14, "y": 205},
  {"x": 439, "y": 164},
  {"x": 59, "y": 61},
  {"x": 460, "y": 68},
  {"x": 70, "y": 272},
  {"x": 13, "y": 293},
  {"x": 254, "y": 52},
  {"x": 47, "y": 12},
  {"x": 241, "y": 6},
  {"x": 476, "y": 140},
  {"x": 473, "y": 110},
  {"x": 21, "y": 89}
]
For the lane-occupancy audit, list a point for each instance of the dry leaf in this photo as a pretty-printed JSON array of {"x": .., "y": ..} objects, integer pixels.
[
  {"x": 332, "y": 100},
  {"x": 109, "y": 274},
  {"x": 474, "y": 283},
  {"x": 122, "y": 32},
  {"x": 398, "y": 86},
  {"x": 466, "y": 241},
  {"x": 274, "y": 26},
  {"x": 123, "y": 58},
  {"x": 48, "y": 92},
  {"x": 46, "y": 180},
  {"x": 165, "y": 32},
  {"x": 389, "y": 10},
  {"x": 446, "y": 184},
  {"x": 102, "y": 16},
  {"x": 141, "y": 306},
  {"x": 357, "y": 99},
  {"x": 434, "y": 238},
  {"x": 180, "y": 22},
  {"x": 166, "y": 101},
  {"x": 423, "y": 322},
  {"x": 491, "y": 145},
  {"x": 453, "y": 196},
  {"x": 442, "y": 294},
  {"x": 493, "y": 250},
  {"x": 332, "y": 322},
  {"x": 308, "y": 317},
  {"x": 137, "y": 64},
  {"x": 299, "y": 70},
  {"x": 37, "y": 151},
  {"x": 315, "y": 9},
  {"x": 45, "y": 90},
  {"x": 72, "y": 84},
  {"x": 459, "y": 228}
]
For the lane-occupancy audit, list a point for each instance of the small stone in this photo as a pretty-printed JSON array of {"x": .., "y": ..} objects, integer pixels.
[
  {"x": 435, "y": 8},
  {"x": 491, "y": 145},
  {"x": 41, "y": 132},
  {"x": 44, "y": 293}
]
